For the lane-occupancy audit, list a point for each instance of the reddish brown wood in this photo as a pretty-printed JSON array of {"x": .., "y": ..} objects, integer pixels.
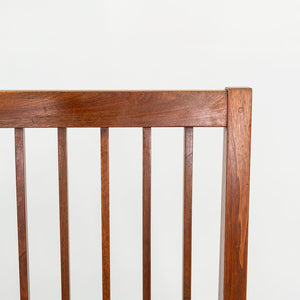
[
  {"x": 105, "y": 213},
  {"x": 234, "y": 240},
  {"x": 187, "y": 231},
  {"x": 63, "y": 210},
  {"x": 113, "y": 108},
  {"x": 231, "y": 109},
  {"x": 21, "y": 213},
  {"x": 147, "y": 213},
  {"x": 223, "y": 202}
]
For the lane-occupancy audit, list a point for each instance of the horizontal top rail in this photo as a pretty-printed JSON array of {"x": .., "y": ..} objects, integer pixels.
[{"x": 42, "y": 109}]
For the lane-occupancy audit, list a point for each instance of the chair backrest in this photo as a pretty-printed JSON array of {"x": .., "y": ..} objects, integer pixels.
[{"x": 230, "y": 109}]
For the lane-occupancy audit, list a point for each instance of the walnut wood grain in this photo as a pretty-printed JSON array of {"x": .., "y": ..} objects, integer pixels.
[
  {"x": 230, "y": 109},
  {"x": 21, "y": 213},
  {"x": 187, "y": 211},
  {"x": 63, "y": 211},
  {"x": 146, "y": 213},
  {"x": 112, "y": 108},
  {"x": 234, "y": 234},
  {"x": 105, "y": 213}
]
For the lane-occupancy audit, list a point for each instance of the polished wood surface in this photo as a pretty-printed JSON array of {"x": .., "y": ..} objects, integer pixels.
[
  {"x": 234, "y": 234},
  {"x": 187, "y": 213},
  {"x": 112, "y": 108},
  {"x": 146, "y": 213},
  {"x": 21, "y": 213},
  {"x": 105, "y": 213},
  {"x": 230, "y": 109},
  {"x": 63, "y": 212}
]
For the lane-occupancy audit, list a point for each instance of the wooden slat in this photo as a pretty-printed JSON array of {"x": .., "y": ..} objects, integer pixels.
[
  {"x": 105, "y": 213},
  {"x": 147, "y": 213},
  {"x": 234, "y": 234},
  {"x": 21, "y": 213},
  {"x": 187, "y": 237},
  {"x": 222, "y": 229},
  {"x": 63, "y": 210},
  {"x": 112, "y": 108}
]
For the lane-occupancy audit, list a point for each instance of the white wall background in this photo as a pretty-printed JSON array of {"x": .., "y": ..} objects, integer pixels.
[{"x": 153, "y": 45}]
